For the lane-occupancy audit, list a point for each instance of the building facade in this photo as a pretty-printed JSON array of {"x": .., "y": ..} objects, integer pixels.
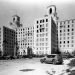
[
  {"x": 7, "y": 41},
  {"x": 25, "y": 39},
  {"x": 66, "y": 35},
  {"x": 45, "y": 33}
]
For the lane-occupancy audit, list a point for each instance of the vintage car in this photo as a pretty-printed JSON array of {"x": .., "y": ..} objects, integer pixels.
[{"x": 53, "y": 58}]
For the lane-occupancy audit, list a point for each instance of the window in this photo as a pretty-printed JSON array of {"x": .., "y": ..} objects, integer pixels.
[
  {"x": 40, "y": 21},
  {"x": 60, "y": 30},
  {"x": 46, "y": 29},
  {"x": 40, "y": 25},
  {"x": 43, "y": 20},
  {"x": 60, "y": 34},
  {"x": 40, "y": 30},
  {"x": 37, "y": 26},
  {"x": 67, "y": 37},
  {"x": 68, "y": 26},
  {"x": 72, "y": 21},
  {"x": 72, "y": 45},
  {"x": 64, "y": 30},
  {"x": 72, "y": 41},
  {"x": 64, "y": 34},
  {"x": 37, "y": 31},
  {"x": 67, "y": 45},
  {"x": 72, "y": 29},
  {"x": 46, "y": 34},
  {"x": 47, "y": 25},
  {"x": 37, "y": 22},
  {"x": 72, "y": 25},
  {"x": 64, "y": 38},
  {"x": 37, "y": 35},
  {"x": 64, "y": 41},
  {"x": 72, "y": 37},
  {"x": 46, "y": 44},
  {"x": 46, "y": 20},
  {"x": 72, "y": 33},
  {"x": 60, "y": 42},
  {"x": 60, "y": 38},
  {"x": 68, "y": 30},
  {"x": 67, "y": 41},
  {"x": 46, "y": 39},
  {"x": 64, "y": 26},
  {"x": 68, "y": 33},
  {"x": 63, "y": 45}
]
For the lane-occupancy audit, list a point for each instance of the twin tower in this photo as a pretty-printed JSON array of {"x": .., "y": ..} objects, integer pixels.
[{"x": 51, "y": 11}]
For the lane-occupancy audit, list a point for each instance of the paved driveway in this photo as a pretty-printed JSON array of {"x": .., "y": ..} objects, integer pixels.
[{"x": 30, "y": 67}]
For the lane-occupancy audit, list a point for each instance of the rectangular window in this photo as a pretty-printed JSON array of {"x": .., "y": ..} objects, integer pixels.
[
  {"x": 46, "y": 29},
  {"x": 64, "y": 30},
  {"x": 60, "y": 42},
  {"x": 37, "y": 31},
  {"x": 64, "y": 38},
  {"x": 72, "y": 45},
  {"x": 67, "y": 41},
  {"x": 64, "y": 26},
  {"x": 40, "y": 21},
  {"x": 63, "y": 45},
  {"x": 46, "y": 20},
  {"x": 64, "y": 34},
  {"x": 68, "y": 26},
  {"x": 46, "y": 39},
  {"x": 64, "y": 41},
  {"x": 72, "y": 33},
  {"x": 46, "y": 34},
  {"x": 43, "y": 20},
  {"x": 60, "y": 30},
  {"x": 37, "y": 26},
  {"x": 72, "y": 29},
  {"x": 67, "y": 45},
  {"x": 72, "y": 21},
  {"x": 67, "y": 37},
  {"x": 68, "y": 33},
  {"x": 72, "y": 41},
  {"x": 72, "y": 37},
  {"x": 68, "y": 30},
  {"x": 47, "y": 25}
]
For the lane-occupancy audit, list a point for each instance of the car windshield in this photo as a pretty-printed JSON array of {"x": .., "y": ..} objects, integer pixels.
[{"x": 51, "y": 56}]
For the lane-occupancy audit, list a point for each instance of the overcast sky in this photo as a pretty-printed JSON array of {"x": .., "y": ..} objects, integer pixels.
[{"x": 29, "y": 10}]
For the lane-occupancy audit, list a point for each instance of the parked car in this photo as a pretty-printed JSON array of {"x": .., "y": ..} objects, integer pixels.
[{"x": 53, "y": 58}]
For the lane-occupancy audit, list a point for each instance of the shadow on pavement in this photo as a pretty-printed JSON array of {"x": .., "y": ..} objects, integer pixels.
[{"x": 27, "y": 70}]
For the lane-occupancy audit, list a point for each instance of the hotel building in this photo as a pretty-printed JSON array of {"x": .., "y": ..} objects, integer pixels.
[
  {"x": 7, "y": 41},
  {"x": 66, "y": 35},
  {"x": 25, "y": 35},
  {"x": 45, "y": 33},
  {"x": 25, "y": 39}
]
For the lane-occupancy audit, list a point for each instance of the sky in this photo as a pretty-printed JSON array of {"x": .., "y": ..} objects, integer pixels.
[{"x": 30, "y": 10}]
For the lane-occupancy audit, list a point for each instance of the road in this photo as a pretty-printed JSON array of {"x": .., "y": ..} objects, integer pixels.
[{"x": 30, "y": 67}]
